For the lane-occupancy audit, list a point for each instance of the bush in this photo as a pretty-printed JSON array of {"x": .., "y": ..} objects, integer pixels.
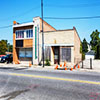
[{"x": 47, "y": 62}]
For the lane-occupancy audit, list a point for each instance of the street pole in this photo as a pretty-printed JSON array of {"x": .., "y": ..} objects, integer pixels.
[{"x": 42, "y": 33}]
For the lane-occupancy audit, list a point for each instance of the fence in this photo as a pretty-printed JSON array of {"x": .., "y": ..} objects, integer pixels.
[{"x": 90, "y": 64}]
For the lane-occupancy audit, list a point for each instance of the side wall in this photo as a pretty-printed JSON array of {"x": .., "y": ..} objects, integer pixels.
[
  {"x": 77, "y": 42},
  {"x": 47, "y": 27}
]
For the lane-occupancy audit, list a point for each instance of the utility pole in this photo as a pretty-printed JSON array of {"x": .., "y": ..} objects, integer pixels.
[{"x": 42, "y": 33}]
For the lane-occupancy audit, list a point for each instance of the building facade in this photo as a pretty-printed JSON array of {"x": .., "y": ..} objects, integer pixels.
[{"x": 59, "y": 45}]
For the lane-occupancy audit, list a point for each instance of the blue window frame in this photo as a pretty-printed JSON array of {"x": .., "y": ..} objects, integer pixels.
[
  {"x": 20, "y": 33},
  {"x": 29, "y": 33}
]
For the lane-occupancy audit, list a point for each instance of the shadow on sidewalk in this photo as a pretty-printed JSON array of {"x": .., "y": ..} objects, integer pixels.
[{"x": 9, "y": 68}]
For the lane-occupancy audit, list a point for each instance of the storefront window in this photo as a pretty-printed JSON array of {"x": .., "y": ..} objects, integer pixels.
[
  {"x": 47, "y": 53},
  {"x": 66, "y": 54}
]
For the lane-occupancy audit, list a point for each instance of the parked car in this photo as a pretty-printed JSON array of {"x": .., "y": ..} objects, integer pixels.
[
  {"x": 1, "y": 56},
  {"x": 8, "y": 58}
]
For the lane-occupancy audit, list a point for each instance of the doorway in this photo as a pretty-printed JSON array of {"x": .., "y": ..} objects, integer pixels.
[{"x": 56, "y": 55}]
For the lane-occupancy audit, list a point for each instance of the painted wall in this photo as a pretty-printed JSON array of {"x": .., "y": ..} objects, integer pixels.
[
  {"x": 77, "y": 42},
  {"x": 47, "y": 27},
  {"x": 59, "y": 37}
]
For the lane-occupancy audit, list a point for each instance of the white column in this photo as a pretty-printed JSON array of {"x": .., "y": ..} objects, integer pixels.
[
  {"x": 72, "y": 55},
  {"x": 35, "y": 38}
]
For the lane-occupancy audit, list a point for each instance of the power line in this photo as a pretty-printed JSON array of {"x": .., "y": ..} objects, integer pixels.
[
  {"x": 2, "y": 27},
  {"x": 8, "y": 26},
  {"x": 21, "y": 14},
  {"x": 72, "y": 18},
  {"x": 73, "y": 5},
  {"x": 58, "y": 18}
]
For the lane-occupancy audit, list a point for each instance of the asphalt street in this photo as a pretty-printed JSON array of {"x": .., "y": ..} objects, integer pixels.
[{"x": 23, "y": 84}]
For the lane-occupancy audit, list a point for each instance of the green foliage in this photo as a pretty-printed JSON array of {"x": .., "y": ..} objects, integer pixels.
[
  {"x": 4, "y": 47},
  {"x": 81, "y": 48},
  {"x": 84, "y": 46},
  {"x": 95, "y": 43},
  {"x": 10, "y": 48},
  {"x": 95, "y": 39},
  {"x": 47, "y": 62}
]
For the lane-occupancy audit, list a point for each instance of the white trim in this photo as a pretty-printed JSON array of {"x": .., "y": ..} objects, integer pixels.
[
  {"x": 59, "y": 44},
  {"x": 22, "y": 25},
  {"x": 24, "y": 38}
]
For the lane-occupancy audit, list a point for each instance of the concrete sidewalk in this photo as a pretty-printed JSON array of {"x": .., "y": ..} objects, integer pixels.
[
  {"x": 26, "y": 66},
  {"x": 49, "y": 68}
]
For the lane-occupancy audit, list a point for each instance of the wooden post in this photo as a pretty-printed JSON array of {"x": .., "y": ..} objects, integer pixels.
[{"x": 90, "y": 63}]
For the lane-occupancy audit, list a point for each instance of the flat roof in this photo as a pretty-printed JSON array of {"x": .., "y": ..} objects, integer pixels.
[{"x": 24, "y": 24}]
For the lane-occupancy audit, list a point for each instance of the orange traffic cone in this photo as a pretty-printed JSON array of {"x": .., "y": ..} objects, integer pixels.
[
  {"x": 71, "y": 69},
  {"x": 65, "y": 64},
  {"x": 18, "y": 62},
  {"x": 56, "y": 66},
  {"x": 78, "y": 66},
  {"x": 74, "y": 66},
  {"x": 30, "y": 64},
  {"x": 65, "y": 68},
  {"x": 60, "y": 65}
]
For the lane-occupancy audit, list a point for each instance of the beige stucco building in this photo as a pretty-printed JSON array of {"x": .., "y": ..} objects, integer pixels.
[
  {"x": 62, "y": 45},
  {"x": 59, "y": 45}
]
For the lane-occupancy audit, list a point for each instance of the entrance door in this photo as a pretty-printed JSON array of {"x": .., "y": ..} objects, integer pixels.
[{"x": 56, "y": 55}]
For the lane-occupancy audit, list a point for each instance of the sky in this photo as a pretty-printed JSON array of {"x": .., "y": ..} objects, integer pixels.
[{"x": 24, "y": 11}]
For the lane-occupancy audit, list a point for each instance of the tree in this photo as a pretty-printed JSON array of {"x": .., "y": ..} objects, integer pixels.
[
  {"x": 3, "y": 46},
  {"x": 95, "y": 43},
  {"x": 94, "y": 39},
  {"x": 84, "y": 46},
  {"x": 10, "y": 48}
]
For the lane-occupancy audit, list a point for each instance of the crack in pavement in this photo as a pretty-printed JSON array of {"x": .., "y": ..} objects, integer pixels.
[{"x": 14, "y": 94}]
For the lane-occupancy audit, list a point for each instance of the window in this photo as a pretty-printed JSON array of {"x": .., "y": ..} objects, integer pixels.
[
  {"x": 20, "y": 34},
  {"x": 29, "y": 33},
  {"x": 25, "y": 52},
  {"x": 47, "y": 53},
  {"x": 19, "y": 43},
  {"x": 66, "y": 54}
]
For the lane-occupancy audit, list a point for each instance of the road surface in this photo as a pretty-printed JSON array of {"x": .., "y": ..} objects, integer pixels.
[{"x": 23, "y": 84}]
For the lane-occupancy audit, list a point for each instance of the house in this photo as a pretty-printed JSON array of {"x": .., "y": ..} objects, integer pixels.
[
  {"x": 90, "y": 55},
  {"x": 59, "y": 45}
]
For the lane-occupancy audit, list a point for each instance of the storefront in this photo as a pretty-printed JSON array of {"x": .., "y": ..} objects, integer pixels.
[{"x": 25, "y": 54}]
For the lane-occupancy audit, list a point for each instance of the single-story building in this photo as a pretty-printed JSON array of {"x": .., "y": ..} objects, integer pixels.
[{"x": 59, "y": 45}]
